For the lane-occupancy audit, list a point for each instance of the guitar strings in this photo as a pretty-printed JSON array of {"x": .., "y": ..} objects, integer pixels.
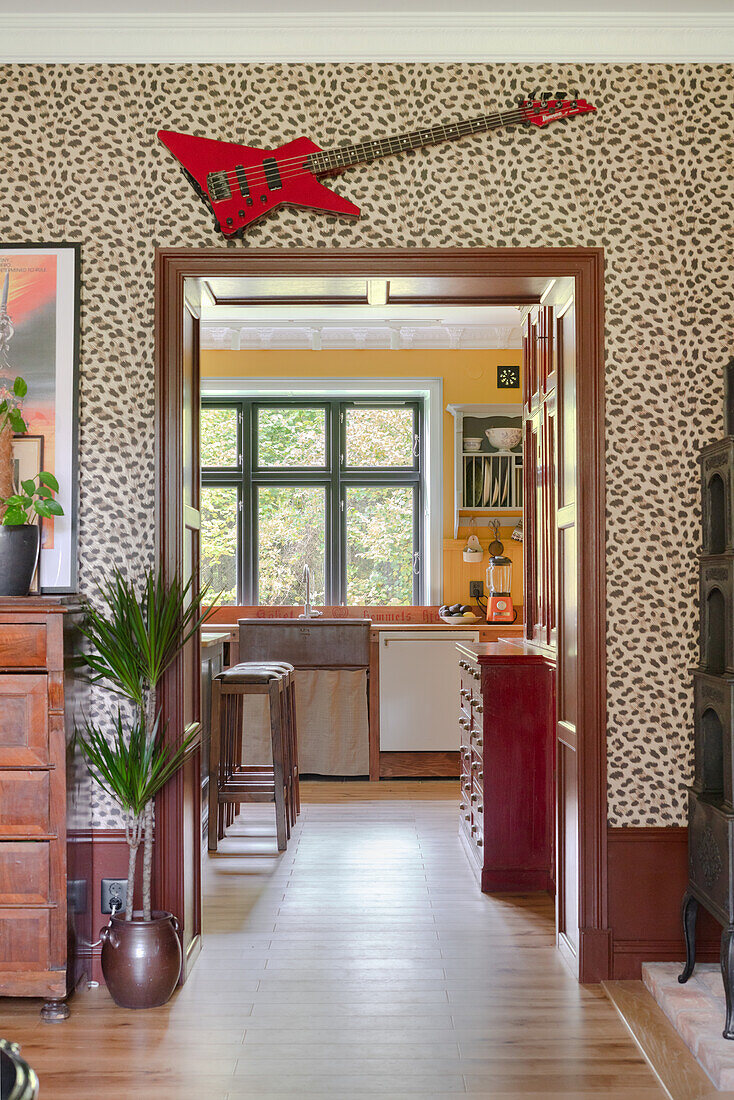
[
  {"x": 512, "y": 116},
  {"x": 256, "y": 173}
]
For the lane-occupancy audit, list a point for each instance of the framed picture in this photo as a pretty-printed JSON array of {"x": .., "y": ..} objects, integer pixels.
[
  {"x": 39, "y": 340},
  {"x": 28, "y": 463}
]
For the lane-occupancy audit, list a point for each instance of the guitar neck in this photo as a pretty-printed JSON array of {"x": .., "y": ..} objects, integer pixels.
[{"x": 346, "y": 155}]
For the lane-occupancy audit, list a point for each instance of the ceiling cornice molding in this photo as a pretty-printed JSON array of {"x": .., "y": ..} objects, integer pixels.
[{"x": 351, "y": 37}]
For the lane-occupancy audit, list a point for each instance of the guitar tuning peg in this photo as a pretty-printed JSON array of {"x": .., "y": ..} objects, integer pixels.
[{"x": 536, "y": 94}]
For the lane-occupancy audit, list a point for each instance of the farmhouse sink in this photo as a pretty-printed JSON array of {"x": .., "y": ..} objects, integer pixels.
[{"x": 307, "y": 643}]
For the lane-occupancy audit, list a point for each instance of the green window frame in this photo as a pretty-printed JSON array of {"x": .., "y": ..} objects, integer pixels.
[{"x": 335, "y": 476}]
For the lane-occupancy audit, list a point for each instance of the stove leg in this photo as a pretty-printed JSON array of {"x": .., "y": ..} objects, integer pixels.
[
  {"x": 727, "y": 973},
  {"x": 689, "y": 914}
]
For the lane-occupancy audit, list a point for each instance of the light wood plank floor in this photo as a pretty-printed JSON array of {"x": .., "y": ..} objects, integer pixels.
[{"x": 362, "y": 962}]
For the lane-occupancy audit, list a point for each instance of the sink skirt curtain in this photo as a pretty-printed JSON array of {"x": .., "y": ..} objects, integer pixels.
[{"x": 331, "y": 709}]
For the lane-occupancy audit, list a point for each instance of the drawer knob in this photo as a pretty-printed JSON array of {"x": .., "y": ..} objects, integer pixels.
[
  {"x": 464, "y": 723},
  {"x": 473, "y": 798},
  {"x": 479, "y": 708},
  {"x": 476, "y": 675},
  {"x": 478, "y": 741},
  {"x": 462, "y": 805},
  {"x": 465, "y": 693}
]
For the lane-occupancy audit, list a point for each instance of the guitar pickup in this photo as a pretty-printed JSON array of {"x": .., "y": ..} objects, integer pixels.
[
  {"x": 272, "y": 175},
  {"x": 242, "y": 180},
  {"x": 218, "y": 186}
]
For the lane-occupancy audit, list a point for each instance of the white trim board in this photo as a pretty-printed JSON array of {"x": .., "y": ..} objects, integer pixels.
[{"x": 348, "y": 37}]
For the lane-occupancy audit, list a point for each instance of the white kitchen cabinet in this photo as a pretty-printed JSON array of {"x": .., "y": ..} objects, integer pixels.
[{"x": 419, "y": 685}]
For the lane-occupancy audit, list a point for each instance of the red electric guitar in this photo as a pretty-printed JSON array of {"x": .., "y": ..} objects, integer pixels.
[{"x": 240, "y": 183}]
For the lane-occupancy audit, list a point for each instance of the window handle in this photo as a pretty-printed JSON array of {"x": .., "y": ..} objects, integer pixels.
[
  {"x": 416, "y": 563},
  {"x": 416, "y": 445}
]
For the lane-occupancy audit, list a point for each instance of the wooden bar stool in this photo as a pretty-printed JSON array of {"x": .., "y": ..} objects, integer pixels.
[
  {"x": 290, "y": 728},
  {"x": 230, "y": 781}
]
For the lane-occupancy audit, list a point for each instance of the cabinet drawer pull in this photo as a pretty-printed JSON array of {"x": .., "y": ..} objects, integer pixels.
[
  {"x": 475, "y": 764},
  {"x": 465, "y": 754},
  {"x": 476, "y": 675},
  {"x": 473, "y": 798},
  {"x": 478, "y": 742},
  {"x": 464, "y": 723},
  {"x": 479, "y": 708},
  {"x": 462, "y": 805},
  {"x": 465, "y": 693}
]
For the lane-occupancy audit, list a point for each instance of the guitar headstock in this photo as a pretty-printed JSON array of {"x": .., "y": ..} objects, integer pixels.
[{"x": 543, "y": 107}]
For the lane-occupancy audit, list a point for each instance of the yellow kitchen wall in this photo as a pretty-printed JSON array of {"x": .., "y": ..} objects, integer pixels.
[{"x": 469, "y": 377}]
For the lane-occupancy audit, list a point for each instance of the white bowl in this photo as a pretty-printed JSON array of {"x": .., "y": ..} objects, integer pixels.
[
  {"x": 459, "y": 620},
  {"x": 504, "y": 439},
  {"x": 472, "y": 442}
]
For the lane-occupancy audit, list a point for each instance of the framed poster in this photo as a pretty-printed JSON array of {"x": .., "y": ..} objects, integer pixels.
[
  {"x": 39, "y": 340},
  {"x": 28, "y": 463}
]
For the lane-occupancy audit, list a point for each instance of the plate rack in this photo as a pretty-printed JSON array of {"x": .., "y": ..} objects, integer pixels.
[{"x": 488, "y": 483}]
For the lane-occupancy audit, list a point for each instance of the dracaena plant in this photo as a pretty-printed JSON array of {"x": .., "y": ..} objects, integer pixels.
[
  {"x": 132, "y": 766},
  {"x": 35, "y": 498},
  {"x": 135, "y": 634}
]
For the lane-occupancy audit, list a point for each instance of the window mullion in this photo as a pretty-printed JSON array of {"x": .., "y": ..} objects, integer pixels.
[
  {"x": 247, "y": 511},
  {"x": 335, "y": 563}
]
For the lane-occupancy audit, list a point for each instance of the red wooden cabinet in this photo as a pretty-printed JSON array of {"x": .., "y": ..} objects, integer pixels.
[
  {"x": 45, "y": 805},
  {"x": 541, "y": 344},
  {"x": 507, "y": 722}
]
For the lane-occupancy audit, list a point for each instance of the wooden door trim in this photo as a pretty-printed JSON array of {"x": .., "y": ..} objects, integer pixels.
[{"x": 586, "y": 265}]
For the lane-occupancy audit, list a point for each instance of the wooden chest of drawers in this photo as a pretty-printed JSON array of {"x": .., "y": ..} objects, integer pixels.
[
  {"x": 506, "y": 718},
  {"x": 37, "y": 764}
]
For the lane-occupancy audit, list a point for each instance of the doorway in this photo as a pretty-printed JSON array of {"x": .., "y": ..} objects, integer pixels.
[{"x": 499, "y": 274}]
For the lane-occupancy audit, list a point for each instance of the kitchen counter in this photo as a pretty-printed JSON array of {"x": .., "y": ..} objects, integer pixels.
[
  {"x": 506, "y": 645},
  {"x": 491, "y": 630}
]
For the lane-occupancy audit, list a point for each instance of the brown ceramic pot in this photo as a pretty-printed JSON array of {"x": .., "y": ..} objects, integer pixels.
[{"x": 141, "y": 959}]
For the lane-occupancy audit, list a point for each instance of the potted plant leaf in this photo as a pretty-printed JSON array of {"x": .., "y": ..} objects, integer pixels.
[
  {"x": 135, "y": 635},
  {"x": 33, "y": 499}
]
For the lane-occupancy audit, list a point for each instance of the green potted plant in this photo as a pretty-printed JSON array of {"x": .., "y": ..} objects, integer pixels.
[
  {"x": 33, "y": 499},
  {"x": 135, "y": 634}
]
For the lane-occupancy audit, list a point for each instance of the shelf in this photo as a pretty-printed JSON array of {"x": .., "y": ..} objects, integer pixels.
[{"x": 484, "y": 474}]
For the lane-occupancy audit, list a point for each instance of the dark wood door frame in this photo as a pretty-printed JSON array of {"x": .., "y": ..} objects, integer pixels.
[{"x": 586, "y": 265}]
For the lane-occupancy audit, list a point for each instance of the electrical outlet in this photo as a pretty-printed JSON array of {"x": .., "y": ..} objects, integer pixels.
[
  {"x": 476, "y": 588},
  {"x": 113, "y": 888}
]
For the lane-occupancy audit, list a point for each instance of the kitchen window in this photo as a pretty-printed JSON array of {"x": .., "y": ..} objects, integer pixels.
[{"x": 333, "y": 483}]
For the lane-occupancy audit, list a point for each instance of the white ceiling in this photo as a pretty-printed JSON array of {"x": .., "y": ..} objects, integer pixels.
[
  {"x": 259, "y": 328},
  {"x": 113, "y": 7},
  {"x": 383, "y": 31}
]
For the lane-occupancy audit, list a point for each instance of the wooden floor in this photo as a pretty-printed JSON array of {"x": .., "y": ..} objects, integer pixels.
[{"x": 362, "y": 962}]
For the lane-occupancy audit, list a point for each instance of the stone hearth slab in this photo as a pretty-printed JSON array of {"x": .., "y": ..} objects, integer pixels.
[{"x": 696, "y": 1011}]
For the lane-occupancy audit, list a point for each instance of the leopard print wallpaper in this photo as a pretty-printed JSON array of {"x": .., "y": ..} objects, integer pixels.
[{"x": 649, "y": 178}]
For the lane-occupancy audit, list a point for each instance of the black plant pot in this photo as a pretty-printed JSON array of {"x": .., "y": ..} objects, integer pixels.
[{"x": 19, "y": 546}]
